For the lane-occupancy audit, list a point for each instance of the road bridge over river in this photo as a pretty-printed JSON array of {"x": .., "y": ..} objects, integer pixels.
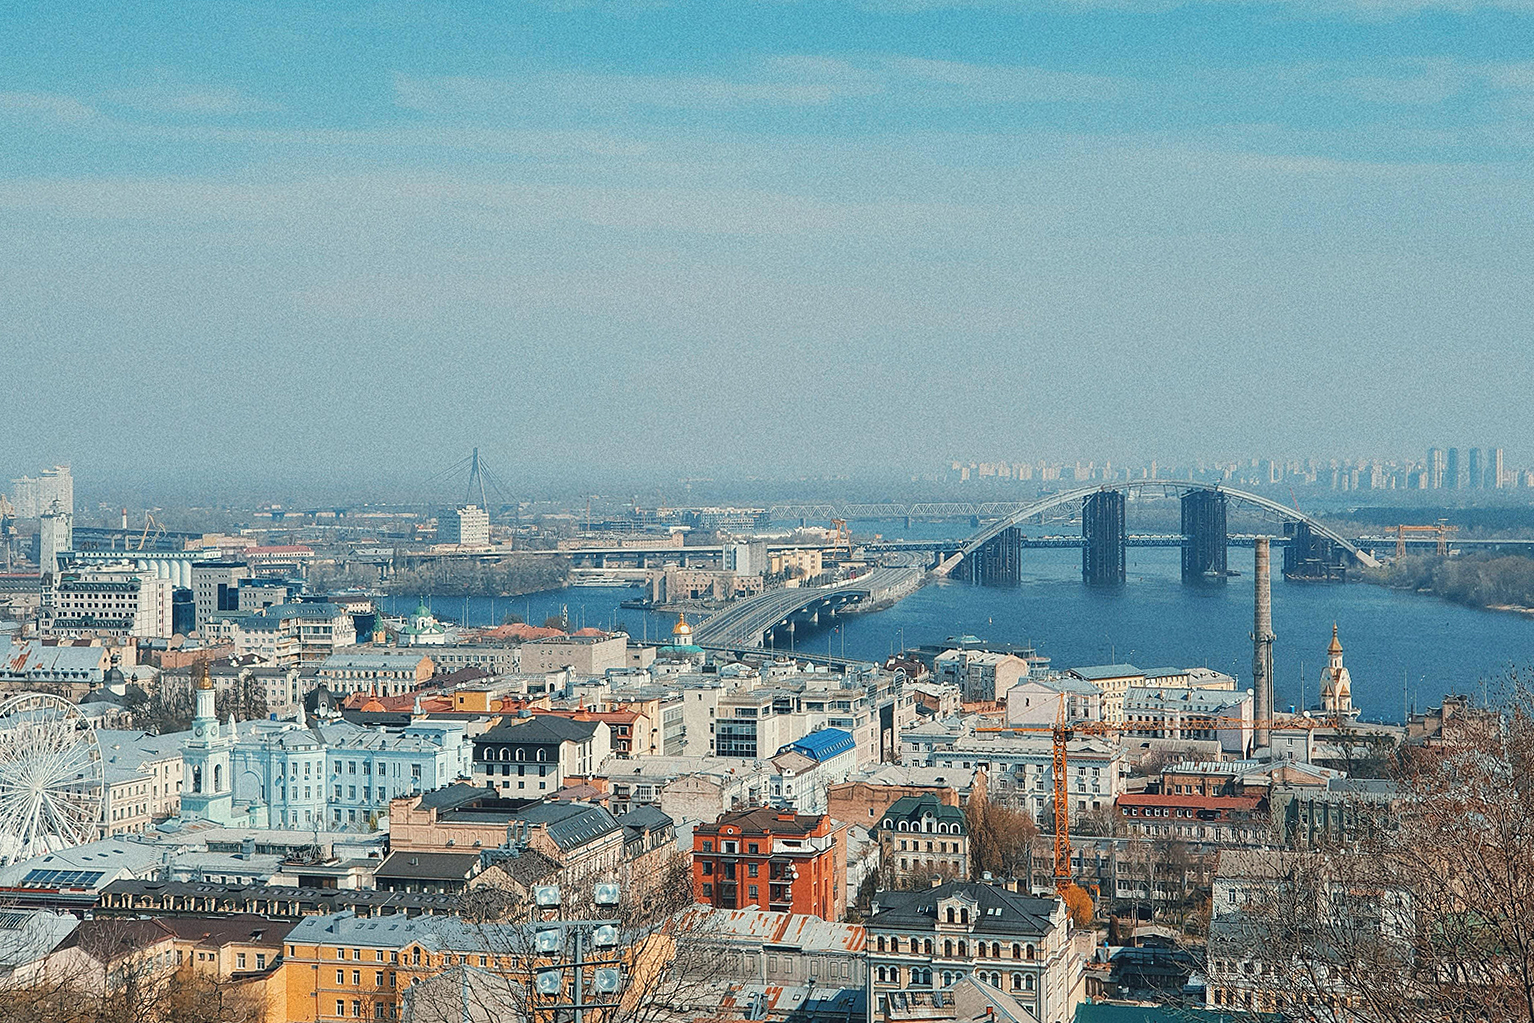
[{"x": 779, "y": 613}]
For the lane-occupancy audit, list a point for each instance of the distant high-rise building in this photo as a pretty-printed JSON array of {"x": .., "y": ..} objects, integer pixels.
[
  {"x": 1436, "y": 468},
  {"x": 469, "y": 526},
  {"x": 36, "y": 495},
  {"x": 1451, "y": 478},
  {"x": 55, "y": 535},
  {"x": 1498, "y": 470},
  {"x": 1477, "y": 471}
]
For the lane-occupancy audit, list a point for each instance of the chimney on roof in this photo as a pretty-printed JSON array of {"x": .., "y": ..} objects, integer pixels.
[{"x": 937, "y": 882}]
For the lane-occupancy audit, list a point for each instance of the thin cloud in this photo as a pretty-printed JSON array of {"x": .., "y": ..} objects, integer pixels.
[
  {"x": 47, "y": 105},
  {"x": 167, "y": 98}
]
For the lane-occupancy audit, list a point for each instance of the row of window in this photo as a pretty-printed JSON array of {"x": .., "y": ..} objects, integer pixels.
[
  {"x": 506, "y": 753},
  {"x": 921, "y": 976},
  {"x": 993, "y": 950},
  {"x": 941, "y": 847}
]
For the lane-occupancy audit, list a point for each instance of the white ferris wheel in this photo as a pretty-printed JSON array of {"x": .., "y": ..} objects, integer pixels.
[{"x": 52, "y": 780}]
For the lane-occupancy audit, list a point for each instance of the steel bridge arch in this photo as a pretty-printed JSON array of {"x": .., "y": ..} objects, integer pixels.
[{"x": 1183, "y": 486}]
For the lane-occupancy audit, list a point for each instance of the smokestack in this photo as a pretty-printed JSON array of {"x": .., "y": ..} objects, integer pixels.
[{"x": 1262, "y": 649}]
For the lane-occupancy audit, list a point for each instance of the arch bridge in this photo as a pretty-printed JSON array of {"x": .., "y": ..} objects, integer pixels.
[{"x": 1312, "y": 549}]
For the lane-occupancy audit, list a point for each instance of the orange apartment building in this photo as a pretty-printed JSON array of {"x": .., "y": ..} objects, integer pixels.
[
  {"x": 774, "y": 860},
  {"x": 344, "y": 967}
]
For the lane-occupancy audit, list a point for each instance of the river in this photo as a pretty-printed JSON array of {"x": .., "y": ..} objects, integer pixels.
[{"x": 1392, "y": 641}]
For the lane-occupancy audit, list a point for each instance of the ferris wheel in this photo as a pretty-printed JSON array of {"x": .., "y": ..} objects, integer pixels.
[{"x": 52, "y": 780}]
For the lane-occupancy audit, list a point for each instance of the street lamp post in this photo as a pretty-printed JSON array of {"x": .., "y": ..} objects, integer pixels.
[{"x": 561, "y": 989}]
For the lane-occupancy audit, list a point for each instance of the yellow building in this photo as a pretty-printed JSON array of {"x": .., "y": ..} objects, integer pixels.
[{"x": 807, "y": 562}]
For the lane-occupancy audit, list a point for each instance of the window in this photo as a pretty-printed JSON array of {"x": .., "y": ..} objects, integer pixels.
[
  {"x": 340, "y": 1007},
  {"x": 340, "y": 976},
  {"x": 239, "y": 960}
]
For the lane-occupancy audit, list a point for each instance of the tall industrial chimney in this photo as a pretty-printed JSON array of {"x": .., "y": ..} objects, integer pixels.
[{"x": 1262, "y": 649}]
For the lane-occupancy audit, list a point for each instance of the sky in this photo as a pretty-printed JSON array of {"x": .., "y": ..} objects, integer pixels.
[{"x": 338, "y": 242}]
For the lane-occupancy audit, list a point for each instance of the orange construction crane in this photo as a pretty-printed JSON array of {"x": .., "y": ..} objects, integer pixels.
[
  {"x": 842, "y": 537},
  {"x": 1063, "y": 731},
  {"x": 1442, "y": 530}
]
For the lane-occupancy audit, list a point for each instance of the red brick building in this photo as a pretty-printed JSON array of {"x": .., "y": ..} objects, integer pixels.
[{"x": 771, "y": 859}]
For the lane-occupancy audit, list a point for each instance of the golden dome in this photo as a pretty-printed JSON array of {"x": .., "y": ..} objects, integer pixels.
[
  {"x": 681, "y": 628},
  {"x": 1336, "y": 647},
  {"x": 204, "y": 680}
]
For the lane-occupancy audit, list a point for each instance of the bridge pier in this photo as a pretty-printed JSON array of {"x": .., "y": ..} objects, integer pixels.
[
  {"x": 998, "y": 562},
  {"x": 1205, "y": 537},
  {"x": 1102, "y": 527},
  {"x": 1312, "y": 558}
]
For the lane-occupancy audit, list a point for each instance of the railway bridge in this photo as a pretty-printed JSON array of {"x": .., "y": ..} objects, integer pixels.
[{"x": 1312, "y": 550}]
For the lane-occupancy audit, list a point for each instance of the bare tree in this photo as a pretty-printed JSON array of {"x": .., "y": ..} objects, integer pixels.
[
  {"x": 671, "y": 973},
  {"x": 1425, "y": 914},
  {"x": 999, "y": 838}
]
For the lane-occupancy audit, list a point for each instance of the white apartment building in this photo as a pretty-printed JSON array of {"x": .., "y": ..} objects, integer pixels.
[
  {"x": 980, "y": 675},
  {"x": 468, "y": 526},
  {"x": 34, "y": 495},
  {"x": 1096, "y": 769},
  {"x": 1171, "y": 713},
  {"x": 113, "y": 601}
]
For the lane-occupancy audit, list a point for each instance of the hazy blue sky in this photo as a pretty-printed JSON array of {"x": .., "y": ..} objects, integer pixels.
[{"x": 706, "y": 234}]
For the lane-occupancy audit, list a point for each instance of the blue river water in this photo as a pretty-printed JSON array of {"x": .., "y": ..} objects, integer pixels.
[{"x": 1399, "y": 647}]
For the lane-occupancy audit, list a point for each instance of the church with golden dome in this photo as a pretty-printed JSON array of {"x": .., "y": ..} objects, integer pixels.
[
  {"x": 1336, "y": 683},
  {"x": 682, "y": 648}
]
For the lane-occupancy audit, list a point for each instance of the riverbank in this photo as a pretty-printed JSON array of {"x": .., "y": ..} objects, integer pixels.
[
  {"x": 1489, "y": 582},
  {"x": 508, "y": 577}
]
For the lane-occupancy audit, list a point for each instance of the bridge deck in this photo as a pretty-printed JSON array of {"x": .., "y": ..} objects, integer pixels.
[{"x": 743, "y": 624}]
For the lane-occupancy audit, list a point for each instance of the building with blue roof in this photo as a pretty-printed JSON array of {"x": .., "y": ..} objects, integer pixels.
[
  {"x": 823, "y": 745},
  {"x": 805, "y": 769}
]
